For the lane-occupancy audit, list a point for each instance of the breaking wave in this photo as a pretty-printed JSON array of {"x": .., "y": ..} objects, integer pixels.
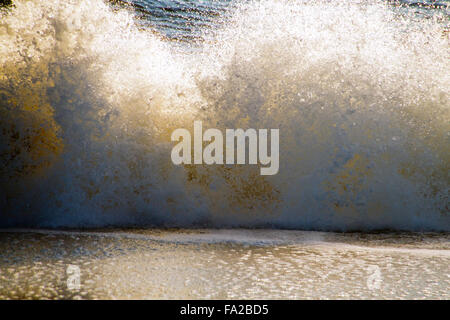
[{"x": 89, "y": 98}]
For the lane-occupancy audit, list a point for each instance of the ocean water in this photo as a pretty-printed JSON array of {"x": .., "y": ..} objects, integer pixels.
[
  {"x": 90, "y": 92},
  {"x": 222, "y": 264}
]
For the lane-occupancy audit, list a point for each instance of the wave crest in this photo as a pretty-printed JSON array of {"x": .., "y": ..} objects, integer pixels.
[{"x": 360, "y": 96}]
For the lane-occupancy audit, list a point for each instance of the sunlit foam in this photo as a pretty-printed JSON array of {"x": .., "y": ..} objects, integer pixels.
[{"x": 360, "y": 96}]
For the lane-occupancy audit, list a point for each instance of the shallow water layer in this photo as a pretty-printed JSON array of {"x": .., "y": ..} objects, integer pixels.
[{"x": 223, "y": 264}]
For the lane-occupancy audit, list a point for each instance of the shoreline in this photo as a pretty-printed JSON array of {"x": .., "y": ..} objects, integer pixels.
[
  {"x": 263, "y": 237},
  {"x": 256, "y": 264}
]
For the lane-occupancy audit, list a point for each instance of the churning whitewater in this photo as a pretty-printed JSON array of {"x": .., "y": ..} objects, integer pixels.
[{"x": 359, "y": 92}]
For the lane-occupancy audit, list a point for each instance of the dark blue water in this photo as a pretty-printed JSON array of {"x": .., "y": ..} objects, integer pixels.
[{"x": 184, "y": 20}]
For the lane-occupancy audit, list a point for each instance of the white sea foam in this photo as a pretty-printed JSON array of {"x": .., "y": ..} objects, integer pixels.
[{"x": 360, "y": 95}]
